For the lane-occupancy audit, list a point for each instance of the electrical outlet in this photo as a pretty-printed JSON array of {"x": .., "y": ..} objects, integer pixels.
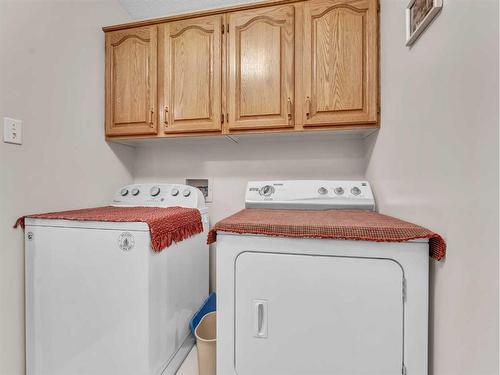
[{"x": 12, "y": 131}]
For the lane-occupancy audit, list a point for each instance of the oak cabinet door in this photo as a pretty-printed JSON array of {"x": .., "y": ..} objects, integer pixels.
[
  {"x": 340, "y": 66},
  {"x": 131, "y": 82},
  {"x": 190, "y": 63},
  {"x": 261, "y": 68}
]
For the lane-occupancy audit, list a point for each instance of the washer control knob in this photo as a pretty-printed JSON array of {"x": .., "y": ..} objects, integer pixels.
[
  {"x": 355, "y": 190},
  {"x": 155, "y": 190},
  {"x": 339, "y": 190},
  {"x": 322, "y": 190},
  {"x": 266, "y": 190},
  {"x": 123, "y": 192},
  {"x": 186, "y": 192},
  {"x": 135, "y": 192},
  {"x": 174, "y": 192}
]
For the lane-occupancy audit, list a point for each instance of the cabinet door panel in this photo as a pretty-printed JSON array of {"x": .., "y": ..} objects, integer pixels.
[
  {"x": 131, "y": 82},
  {"x": 340, "y": 62},
  {"x": 261, "y": 68},
  {"x": 190, "y": 75}
]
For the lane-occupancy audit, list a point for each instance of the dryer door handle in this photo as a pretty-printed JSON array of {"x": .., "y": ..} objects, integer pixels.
[{"x": 260, "y": 318}]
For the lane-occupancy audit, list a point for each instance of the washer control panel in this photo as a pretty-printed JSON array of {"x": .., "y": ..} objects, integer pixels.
[
  {"x": 159, "y": 195},
  {"x": 310, "y": 195}
]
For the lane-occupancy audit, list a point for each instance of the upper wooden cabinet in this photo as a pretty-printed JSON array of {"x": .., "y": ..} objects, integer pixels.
[
  {"x": 288, "y": 65},
  {"x": 190, "y": 73},
  {"x": 261, "y": 68},
  {"x": 340, "y": 66},
  {"x": 131, "y": 82}
]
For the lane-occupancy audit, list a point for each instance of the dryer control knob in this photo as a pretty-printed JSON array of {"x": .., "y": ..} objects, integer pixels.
[
  {"x": 266, "y": 190},
  {"x": 155, "y": 190},
  {"x": 322, "y": 190},
  {"x": 186, "y": 192},
  {"x": 339, "y": 190},
  {"x": 174, "y": 192},
  {"x": 355, "y": 190},
  {"x": 135, "y": 191},
  {"x": 123, "y": 192}
]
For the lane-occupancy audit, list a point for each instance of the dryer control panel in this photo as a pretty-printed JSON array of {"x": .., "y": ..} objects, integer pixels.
[
  {"x": 310, "y": 195},
  {"x": 159, "y": 195}
]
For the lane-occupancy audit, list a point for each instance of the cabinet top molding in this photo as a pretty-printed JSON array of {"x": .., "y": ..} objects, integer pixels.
[{"x": 206, "y": 12}]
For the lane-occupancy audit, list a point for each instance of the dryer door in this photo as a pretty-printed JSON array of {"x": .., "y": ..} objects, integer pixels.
[{"x": 302, "y": 314}]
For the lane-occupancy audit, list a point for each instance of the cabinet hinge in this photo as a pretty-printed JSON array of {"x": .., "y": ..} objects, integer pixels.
[
  {"x": 222, "y": 29},
  {"x": 404, "y": 289},
  {"x": 222, "y": 118},
  {"x": 227, "y": 28},
  {"x": 403, "y": 370}
]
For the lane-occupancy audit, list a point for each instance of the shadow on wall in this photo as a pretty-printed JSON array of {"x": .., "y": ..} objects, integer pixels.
[
  {"x": 125, "y": 154},
  {"x": 321, "y": 156}
]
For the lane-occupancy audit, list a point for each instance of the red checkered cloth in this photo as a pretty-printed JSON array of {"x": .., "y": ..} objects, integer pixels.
[
  {"x": 331, "y": 224},
  {"x": 166, "y": 225}
]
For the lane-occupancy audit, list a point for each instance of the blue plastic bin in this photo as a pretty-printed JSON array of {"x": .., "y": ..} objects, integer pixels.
[{"x": 207, "y": 307}]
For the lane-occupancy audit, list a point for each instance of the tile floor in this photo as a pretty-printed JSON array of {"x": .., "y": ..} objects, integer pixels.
[{"x": 190, "y": 365}]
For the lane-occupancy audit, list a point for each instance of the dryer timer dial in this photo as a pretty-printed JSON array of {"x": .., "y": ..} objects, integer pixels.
[{"x": 266, "y": 190}]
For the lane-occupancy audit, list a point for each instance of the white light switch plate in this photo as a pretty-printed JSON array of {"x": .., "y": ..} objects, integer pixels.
[{"x": 12, "y": 131}]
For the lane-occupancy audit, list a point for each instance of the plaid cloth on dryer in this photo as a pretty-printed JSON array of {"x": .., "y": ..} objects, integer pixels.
[{"x": 329, "y": 224}]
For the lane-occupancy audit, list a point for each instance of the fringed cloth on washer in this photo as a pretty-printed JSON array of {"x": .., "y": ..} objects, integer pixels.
[
  {"x": 328, "y": 224},
  {"x": 166, "y": 225}
]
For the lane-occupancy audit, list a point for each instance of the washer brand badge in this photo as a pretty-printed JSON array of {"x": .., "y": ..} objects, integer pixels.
[
  {"x": 126, "y": 241},
  {"x": 29, "y": 235}
]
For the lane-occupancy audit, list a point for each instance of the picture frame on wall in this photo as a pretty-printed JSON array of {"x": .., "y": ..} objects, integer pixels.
[{"x": 419, "y": 15}]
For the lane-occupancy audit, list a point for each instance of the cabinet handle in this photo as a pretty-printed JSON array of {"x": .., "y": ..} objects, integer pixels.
[
  {"x": 308, "y": 107},
  {"x": 165, "y": 120},
  {"x": 151, "y": 113},
  {"x": 289, "y": 109}
]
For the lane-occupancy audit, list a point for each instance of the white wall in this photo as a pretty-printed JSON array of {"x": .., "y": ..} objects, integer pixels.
[
  {"x": 52, "y": 78},
  {"x": 230, "y": 166},
  {"x": 435, "y": 162}
]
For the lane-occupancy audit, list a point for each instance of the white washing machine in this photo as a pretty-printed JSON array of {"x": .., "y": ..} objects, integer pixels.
[
  {"x": 296, "y": 306},
  {"x": 94, "y": 307}
]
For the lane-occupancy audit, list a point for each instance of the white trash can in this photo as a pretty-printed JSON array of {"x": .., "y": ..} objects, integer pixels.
[{"x": 206, "y": 344}]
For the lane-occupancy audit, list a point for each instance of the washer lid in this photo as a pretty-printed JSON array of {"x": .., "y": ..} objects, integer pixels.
[{"x": 102, "y": 225}]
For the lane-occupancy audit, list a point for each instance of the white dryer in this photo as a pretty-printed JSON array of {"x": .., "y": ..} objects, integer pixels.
[
  {"x": 99, "y": 301},
  {"x": 296, "y": 306}
]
